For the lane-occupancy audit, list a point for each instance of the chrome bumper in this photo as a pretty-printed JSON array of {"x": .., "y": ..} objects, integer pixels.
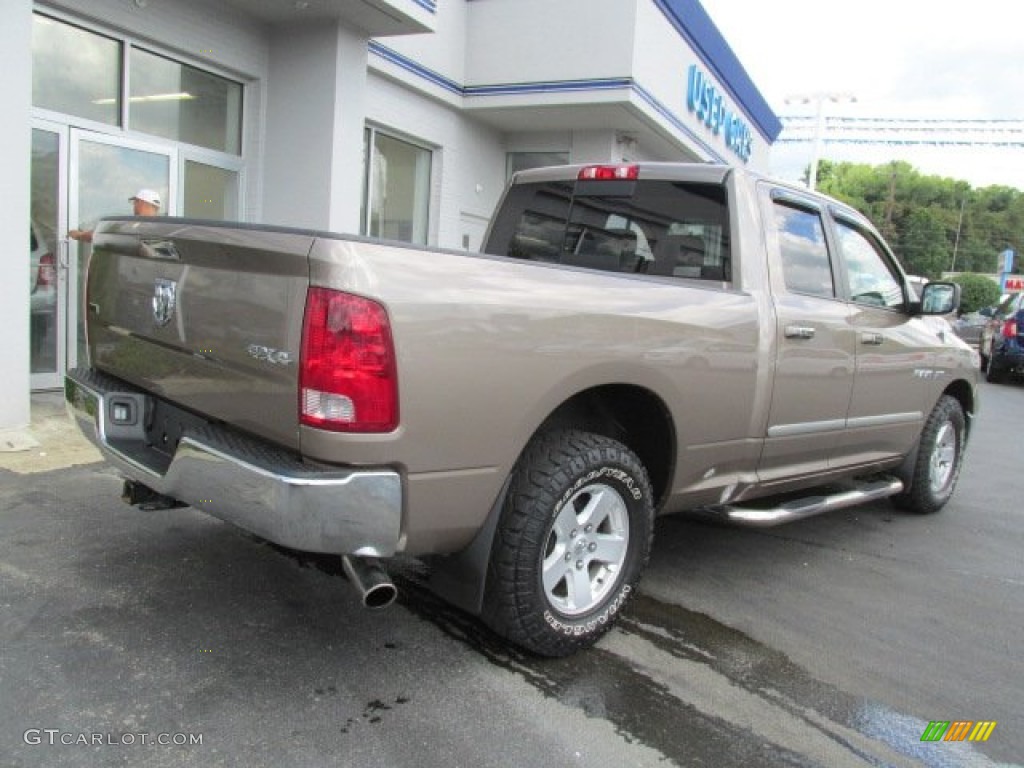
[{"x": 243, "y": 481}]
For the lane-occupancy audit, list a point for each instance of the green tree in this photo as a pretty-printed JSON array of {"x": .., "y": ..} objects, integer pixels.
[
  {"x": 914, "y": 212},
  {"x": 922, "y": 244},
  {"x": 976, "y": 291}
]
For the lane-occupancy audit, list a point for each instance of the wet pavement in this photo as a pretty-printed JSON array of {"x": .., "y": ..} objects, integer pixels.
[{"x": 829, "y": 642}]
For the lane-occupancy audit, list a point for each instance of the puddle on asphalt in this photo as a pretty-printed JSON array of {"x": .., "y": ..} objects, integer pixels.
[{"x": 697, "y": 691}]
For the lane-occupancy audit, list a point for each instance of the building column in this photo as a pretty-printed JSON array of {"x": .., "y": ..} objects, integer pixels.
[
  {"x": 314, "y": 137},
  {"x": 15, "y": 146}
]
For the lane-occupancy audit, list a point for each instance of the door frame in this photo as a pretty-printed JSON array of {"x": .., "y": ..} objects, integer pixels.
[
  {"x": 55, "y": 379},
  {"x": 76, "y": 251}
]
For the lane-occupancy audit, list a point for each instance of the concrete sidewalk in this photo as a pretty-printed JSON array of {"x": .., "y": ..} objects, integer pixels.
[{"x": 52, "y": 441}]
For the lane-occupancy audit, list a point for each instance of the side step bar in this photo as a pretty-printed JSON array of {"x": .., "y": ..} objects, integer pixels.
[{"x": 797, "y": 509}]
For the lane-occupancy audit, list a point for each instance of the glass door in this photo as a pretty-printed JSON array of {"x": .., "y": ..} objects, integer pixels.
[
  {"x": 105, "y": 172},
  {"x": 48, "y": 259}
]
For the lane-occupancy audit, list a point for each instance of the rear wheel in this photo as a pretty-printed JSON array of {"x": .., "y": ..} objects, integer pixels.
[
  {"x": 939, "y": 459},
  {"x": 994, "y": 372},
  {"x": 573, "y": 538}
]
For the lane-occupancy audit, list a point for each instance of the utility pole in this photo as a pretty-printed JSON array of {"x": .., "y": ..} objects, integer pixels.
[
  {"x": 818, "y": 100},
  {"x": 956, "y": 242}
]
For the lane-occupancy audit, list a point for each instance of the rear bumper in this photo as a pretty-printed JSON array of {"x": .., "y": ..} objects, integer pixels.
[{"x": 244, "y": 481}]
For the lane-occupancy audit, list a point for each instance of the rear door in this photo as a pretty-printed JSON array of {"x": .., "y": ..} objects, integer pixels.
[{"x": 815, "y": 353}]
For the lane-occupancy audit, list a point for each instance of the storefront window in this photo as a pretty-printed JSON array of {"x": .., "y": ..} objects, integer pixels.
[
  {"x": 181, "y": 103},
  {"x": 396, "y": 189},
  {"x": 75, "y": 71},
  {"x": 210, "y": 192}
]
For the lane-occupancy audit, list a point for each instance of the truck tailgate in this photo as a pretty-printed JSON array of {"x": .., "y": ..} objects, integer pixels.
[{"x": 207, "y": 316}]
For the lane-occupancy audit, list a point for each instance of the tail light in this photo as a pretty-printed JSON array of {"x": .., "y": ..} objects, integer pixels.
[
  {"x": 46, "y": 277},
  {"x": 348, "y": 381},
  {"x": 1010, "y": 328},
  {"x": 609, "y": 173}
]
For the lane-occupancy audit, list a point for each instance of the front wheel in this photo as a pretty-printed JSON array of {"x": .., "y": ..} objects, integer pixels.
[
  {"x": 573, "y": 538},
  {"x": 939, "y": 458}
]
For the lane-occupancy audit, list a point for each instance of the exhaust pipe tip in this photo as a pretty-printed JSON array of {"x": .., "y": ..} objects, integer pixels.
[{"x": 371, "y": 581}]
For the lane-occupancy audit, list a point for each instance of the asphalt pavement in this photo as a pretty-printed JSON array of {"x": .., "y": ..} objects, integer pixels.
[{"x": 172, "y": 639}]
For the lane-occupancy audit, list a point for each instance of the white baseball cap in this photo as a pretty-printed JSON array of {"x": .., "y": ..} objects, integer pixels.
[{"x": 150, "y": 196}]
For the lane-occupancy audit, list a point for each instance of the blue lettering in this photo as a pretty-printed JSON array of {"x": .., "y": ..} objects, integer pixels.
[{"x": 710, "y": 108}]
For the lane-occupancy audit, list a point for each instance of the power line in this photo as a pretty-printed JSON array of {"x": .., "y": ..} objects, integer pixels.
[{"x": 956, "y": 132}]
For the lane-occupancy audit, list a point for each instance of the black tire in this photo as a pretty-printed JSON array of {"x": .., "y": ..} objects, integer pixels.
[
  {"x": 940, "y": 456},
  {"x": 578, "y": 518},
  {"x": 994, "y": 373}
]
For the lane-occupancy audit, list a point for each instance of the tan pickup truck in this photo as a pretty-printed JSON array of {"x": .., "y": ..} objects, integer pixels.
[{"x": 637, "y": 340}]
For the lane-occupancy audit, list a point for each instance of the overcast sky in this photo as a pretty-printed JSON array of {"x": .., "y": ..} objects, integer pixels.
[{"x": 931, "y": 59}]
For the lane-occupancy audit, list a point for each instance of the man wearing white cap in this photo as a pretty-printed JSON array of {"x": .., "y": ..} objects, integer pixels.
[{"x": 145, "y": 202}]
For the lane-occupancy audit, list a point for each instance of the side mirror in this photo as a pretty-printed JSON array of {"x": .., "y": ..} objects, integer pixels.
[{"x": 940, "y": 298}]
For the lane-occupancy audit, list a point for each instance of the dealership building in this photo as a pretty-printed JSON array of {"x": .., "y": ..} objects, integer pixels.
[{"x": 401, "y": 119}]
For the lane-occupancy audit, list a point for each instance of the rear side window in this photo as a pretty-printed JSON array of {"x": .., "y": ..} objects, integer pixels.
[
  {"x": 667, "y": 228},
  {"x": 806, "y": 265}
]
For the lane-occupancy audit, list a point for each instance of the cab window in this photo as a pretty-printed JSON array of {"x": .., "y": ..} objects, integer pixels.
[
  {"x": 806, "y": 264},
  {"x": 871, "y": 279}
]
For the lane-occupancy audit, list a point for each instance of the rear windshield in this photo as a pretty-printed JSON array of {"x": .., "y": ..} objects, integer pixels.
[{"x": 669, "y": 228}]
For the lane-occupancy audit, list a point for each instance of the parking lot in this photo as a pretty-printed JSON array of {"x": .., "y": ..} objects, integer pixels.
[{"x": 171, "y": 639}]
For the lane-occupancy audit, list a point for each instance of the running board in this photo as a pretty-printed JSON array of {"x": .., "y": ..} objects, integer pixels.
[{"x": 797, "y": 509}]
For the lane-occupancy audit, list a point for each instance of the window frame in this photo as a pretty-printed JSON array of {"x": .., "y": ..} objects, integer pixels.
[
  {"x": 795, "y": 202},
  {"x": 370, "y": 131},
  {"x": 839, "y": 219}
]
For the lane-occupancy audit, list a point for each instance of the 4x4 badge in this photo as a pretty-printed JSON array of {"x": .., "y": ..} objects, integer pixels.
[{"x": 165, "y": 295}]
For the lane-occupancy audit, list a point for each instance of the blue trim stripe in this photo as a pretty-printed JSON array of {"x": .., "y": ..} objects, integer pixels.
[
  {"x": 556, "y": 86},
  {"x": 430, "y": 5},
  {"x": 411, "y": 66},
  {"x": 692, "y": 22},
  {"x": 678, "y": 124}
]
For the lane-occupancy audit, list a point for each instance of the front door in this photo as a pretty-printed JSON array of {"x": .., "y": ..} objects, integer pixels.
[
  {"x": 106, "y": 171},
  {"x": 79, "y": 177}
]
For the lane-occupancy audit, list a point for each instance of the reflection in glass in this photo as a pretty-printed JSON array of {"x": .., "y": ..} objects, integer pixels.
[
  {"x": 182, "y": 103},
  {"x": 108, "y": 175},
  {"x": 75, "y": 71},
  {"x": 210, "y": 192},
  {"x": 399, "y": 190},
  {"x": 42, "y": 279}
]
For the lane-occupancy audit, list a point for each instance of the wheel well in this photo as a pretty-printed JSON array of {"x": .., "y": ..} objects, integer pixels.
[
  {"x": 962, "y": 391},
  {"x": 635, "y": 417}
]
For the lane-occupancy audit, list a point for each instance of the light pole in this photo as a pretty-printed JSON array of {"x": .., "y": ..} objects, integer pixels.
[{"x": 818, "y": 100}]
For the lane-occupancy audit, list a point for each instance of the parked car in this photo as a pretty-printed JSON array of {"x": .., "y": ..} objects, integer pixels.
[
  {"x": 42, "y": 277},
  {"x": 970, "y": 325},
  {"x": 1002, "y": 339}
]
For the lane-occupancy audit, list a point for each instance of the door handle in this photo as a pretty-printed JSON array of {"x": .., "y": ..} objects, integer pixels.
[
  {"x": 63, "y": 251},
  {"x": 799, "y": 332},
  {"x": 873, "y": 339}
]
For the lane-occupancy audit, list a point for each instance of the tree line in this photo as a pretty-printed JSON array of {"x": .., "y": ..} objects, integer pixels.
[{"x": 933, "y": 224}]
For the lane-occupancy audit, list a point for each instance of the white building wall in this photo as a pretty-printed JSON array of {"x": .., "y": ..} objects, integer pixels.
[
  {"x": 444, "y": 51},
  {"x": 314, "y": 123},
  {"x": 15, "y": 146},
  {"x": 661, "y": 64},
  {"x": 515, "y": 41}
]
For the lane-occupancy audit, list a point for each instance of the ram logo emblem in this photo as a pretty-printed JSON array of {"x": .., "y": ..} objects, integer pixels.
[{"x": 165, "y": 298}]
